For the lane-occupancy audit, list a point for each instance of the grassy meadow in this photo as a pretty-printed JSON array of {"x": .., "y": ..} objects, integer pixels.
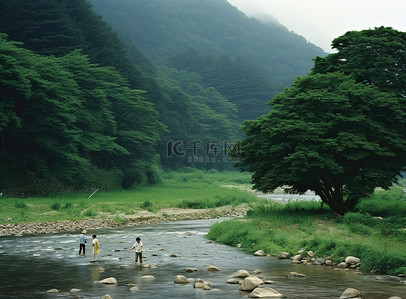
[
  {"x": 374, "y": 232},
  {"x": 187, "y": 189}
]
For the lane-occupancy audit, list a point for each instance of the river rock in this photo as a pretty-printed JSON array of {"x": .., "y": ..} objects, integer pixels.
[
  {"x": 328, "y": 262},
  {"x": 130, "y": 285},
  {"x": 297, "y": 257},
  {"x": 342, "y": 265},
  {"x": 107, "y": 296},
  {"x": 296, "y": 262},
  {"x": 269, "y": 282},
  {"x": 100, "y": 269},
  {"x": 241, "y": 274},
  {"x": 146, "y": 266},
  {"x": 319, "y": 261},
  {"x": 352, "y": 260},
  {"x": 283, "y": 255},
  {"x": 180, "y": 279},
  {"x": 190, "y": 269},
  {"x": 250, "y": 283},
  {"x": 295, "y": 274},
  {"x": 257, "y": 271},
  {"x": 213, "y": 269},
  {"x": 310, "y": 253},
  {"x": 350, "y": 293},
  {"x": 53, "y": 291},
  {"x": 233, "y": 281},
  {"x": 395, "y": 297},
  {"x": 124, "y": 266},
  {"x": 260, "y": 253},
  {"x": 300, "y": 251},
  {"x": 75, "y": 290},
  {"x": 149, "y": 277},
  {"x": 110, "y": 280},
  {"x": 264, "y": 293},
  {"x": 133, "y": 289}
]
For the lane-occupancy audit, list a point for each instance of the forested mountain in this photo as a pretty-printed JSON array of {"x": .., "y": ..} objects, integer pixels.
[
  {"x": 75, "y": 111},
  {"x": 81, "y": 107},
  {"x": 246, "y": 60}
]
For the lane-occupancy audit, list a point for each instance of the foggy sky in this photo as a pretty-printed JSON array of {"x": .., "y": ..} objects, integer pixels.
[{"x": 320, "y": 21}]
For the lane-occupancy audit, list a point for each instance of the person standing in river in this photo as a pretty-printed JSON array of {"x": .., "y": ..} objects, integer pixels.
[
  {"x": 96, "y": 247},
  {"x": 82, "y": 242},
  {"x": 138, "y": 249}
]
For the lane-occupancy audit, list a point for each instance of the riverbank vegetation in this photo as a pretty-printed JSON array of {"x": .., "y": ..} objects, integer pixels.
[
  {"x": 375, "y": 232},
  {"x": 188, "y": 189}
]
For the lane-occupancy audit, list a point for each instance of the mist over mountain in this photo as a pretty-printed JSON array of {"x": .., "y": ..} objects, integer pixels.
[{"x": 162, "y": 28}]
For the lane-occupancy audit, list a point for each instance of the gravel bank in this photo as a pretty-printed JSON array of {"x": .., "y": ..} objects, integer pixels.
[{"x": 143, "y": 217}]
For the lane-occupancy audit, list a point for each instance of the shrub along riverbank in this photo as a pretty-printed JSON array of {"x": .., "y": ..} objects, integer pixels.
[
  {"x": 189, "y": 189},
  {"x": 375, "y": 232}
]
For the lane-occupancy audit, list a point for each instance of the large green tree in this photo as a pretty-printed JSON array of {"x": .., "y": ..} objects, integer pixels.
[
  {"x": 331, "y": 135},
  {"x": 338, "y": 131}
]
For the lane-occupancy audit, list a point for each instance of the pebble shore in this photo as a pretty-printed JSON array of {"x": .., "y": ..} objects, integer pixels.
[{"x": 143, "y": 217}]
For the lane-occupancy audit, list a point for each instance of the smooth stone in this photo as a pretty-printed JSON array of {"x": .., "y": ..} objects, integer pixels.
[
  {"x": 283, "y": 255},
  {"x": 297, "y": 257},
  {"x": 213, "y": 269},
  {"x": 147, "y": 277},
  {"x": 190, "y": 269},
  {"x": 260, "y": 253},
  {"x": 133, "y": 289},
  {"x": 110, "y": 280},
  {"x": 107, "y": 296},
  {"x": 352, "y": 260},
  {"x": 180, "y": 279},
  {"x": 257, "y": 271},
  {"x": 233, "y": 281},
  {"x": 350, "y": 293},
  {"x": 241, "y": 274},
  {"x": 295, "y": 274},
  {"x": 51, "y": 291},
  {"x": 264, "y": 293},
  {"x": 75, "y": 290},
  {"x": 250, "y": 283}
]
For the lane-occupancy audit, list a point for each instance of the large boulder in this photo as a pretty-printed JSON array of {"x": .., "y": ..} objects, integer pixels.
[
  {"x": 180, "y": 279},
  {"x": 259, "y": 253},
  {"x": 350, "y": 293},
  {"x": 265, "y": 293},
  {"x": 241, "y": 274},
  {"x": 352, "y": 260},
  {"x": 110, "y": 280},
  {"x": 250, "y": 283}
]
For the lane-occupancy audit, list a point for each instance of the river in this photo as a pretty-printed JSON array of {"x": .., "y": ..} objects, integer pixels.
[{"x": 31, "y": 265}]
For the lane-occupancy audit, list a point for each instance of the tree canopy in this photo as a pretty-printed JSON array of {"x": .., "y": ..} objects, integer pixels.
[{"x": 333, "y": 131}]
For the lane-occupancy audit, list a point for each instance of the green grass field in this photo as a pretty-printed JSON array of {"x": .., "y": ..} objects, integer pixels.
[
  {"x": 375, "y": 232},
  {"x": 187, "y": 189}
]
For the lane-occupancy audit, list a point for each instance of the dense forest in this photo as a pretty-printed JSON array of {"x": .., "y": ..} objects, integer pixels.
[{"x": 83, "y": 107}]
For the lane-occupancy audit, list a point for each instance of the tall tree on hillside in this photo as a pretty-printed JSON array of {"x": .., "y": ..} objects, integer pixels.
[{"x": 338, "y": 134}]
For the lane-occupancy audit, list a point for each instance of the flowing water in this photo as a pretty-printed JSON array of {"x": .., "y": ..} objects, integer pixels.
[{"x": 31, "y": 265}]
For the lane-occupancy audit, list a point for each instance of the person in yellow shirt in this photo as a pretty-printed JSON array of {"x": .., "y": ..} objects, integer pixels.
[{"x": 96, "y": 247}]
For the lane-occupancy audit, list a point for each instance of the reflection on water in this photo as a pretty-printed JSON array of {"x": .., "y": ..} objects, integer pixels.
[{"x": 32, "y": 265}]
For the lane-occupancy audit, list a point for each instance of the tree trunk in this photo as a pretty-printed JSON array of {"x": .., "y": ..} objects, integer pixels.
[{"x": 334, "y": 198}]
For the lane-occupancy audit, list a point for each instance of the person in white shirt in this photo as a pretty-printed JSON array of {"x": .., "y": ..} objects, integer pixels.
[
  {"x": 82, "y": 241},
  {"x": 138, "y": 249}
]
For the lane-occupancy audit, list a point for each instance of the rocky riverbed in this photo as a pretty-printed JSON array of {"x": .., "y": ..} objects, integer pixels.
[{"x": 142, "y": 217}]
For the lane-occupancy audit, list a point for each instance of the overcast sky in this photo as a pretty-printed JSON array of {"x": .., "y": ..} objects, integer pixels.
[{"x": 320, "y": 21}]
